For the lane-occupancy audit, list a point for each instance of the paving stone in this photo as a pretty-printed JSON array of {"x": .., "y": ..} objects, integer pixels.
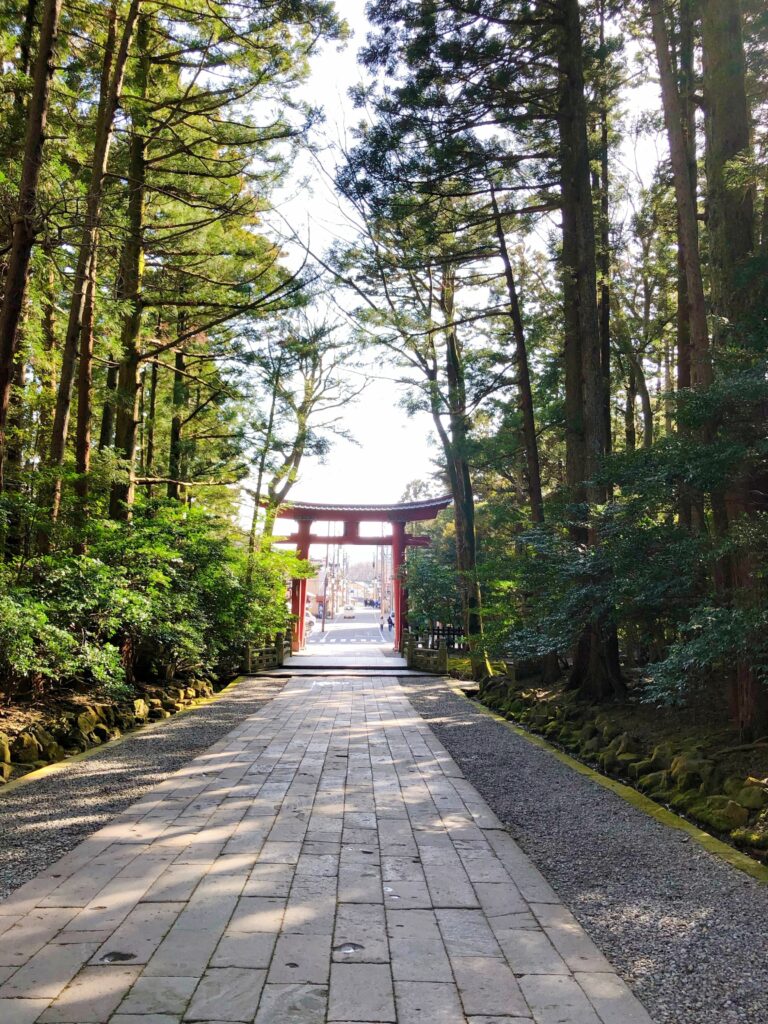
[
  {"x": 487, "y": 986},
  {"x": 244, "y": 949},
  {"x": 555, "y": 999},
  {"x": 499, "y": 899},
  {"x": 293, "y": 1004},
  {"x": 269, "y": 880},
  {"x": 363, "y": 925},
  {"x": 92, "y": 996},
  {"x": 410, "y": 895},
  {"x": 359, "y": 883},
  {"x": 301, "y": 959},
  {"x": 332, "y": 817},
  {"x": 145, "y": 1018},
  {"x": 365, "y": 987},
  {"x": 416, "y": 947},
  {"x": 257, "y": 914},
  {"x": 48, "y": 972},
  {"x": 140, "y": 933},
  {"x": 529, "y": 951},
  {"x": 176, "y": 883},
  {"x": 31, "y": 933},
  {"x": 428, "y": 1003},
  {"x": 467, "y": 933},
  {"x": 485, "y": 1018},
  {"x": 21, "y": 1011},
  {"x": 161, "y": 995},
  {"x": 228, "y": 994},
  {"x": 449, "y": 888},
  {"x": 613, "y": 1001},
  {"x": 184, "y": 952},
  {"x": 569, "y": 938}
]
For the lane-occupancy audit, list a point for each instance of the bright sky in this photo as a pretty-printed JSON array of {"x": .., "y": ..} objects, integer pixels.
[{"x": 392, "y": 449}]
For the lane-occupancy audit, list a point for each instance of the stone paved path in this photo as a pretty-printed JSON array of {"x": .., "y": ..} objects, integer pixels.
[{"x": 325, "y": 862}]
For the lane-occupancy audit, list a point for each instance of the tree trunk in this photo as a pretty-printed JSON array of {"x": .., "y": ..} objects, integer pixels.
[
  {"x": 107, "y": 430},
  {"x": 604, "y": 248},
  {"x": 461, "y": 484},
  {"x": 731, "y": 233},
  {"x": 84, "y": 413},
  {"x": 111, "y": 88},
  {"x": 679, "y": 148},
  {"x": 23, "y": 237},
  {"x": 266, "y": 447},
  {"x": 180, "y": 398},
  {"x": 596, "y": 671},
  {"x": 524, "y": 391},
  {"x": 630, "y": 428},
  {"x": 149, "y": 457},
  {"x": 132, "y": 274},
  {"x": 730, "y": 208}
]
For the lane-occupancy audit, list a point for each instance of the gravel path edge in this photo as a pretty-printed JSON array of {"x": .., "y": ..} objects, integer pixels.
[
  {"x": 633, "y": 796},
  {"x": 57, "y": 766}
]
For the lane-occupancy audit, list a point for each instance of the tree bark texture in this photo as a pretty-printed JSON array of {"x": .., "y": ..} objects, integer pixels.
[
  {"x": 596, "y": 671},
  {"x": 524, "y": 391},
  {"x": 23, "y": 237},
  {"x": 131, "y": 276},
  {"x": 685, "y": 197},
  {"x": 111, "y": 88}
]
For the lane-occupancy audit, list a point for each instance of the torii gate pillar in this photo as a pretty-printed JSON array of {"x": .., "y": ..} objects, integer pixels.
[
  {"x": 398, "y": 590},
  {"x": 299, "y": 588}
]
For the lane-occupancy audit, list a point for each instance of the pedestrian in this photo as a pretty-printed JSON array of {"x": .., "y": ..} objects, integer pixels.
[
  {"x": 381, "y": 622},
  {"x": 390, "y": 622}
]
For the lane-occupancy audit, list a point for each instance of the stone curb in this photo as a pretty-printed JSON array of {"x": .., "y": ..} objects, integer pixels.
[
  {"x": 663, "y": 815},
  {"x": 51, "y": 769}
]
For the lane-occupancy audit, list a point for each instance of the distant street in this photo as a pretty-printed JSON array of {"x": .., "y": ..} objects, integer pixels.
[{"x": 362, "y": 631}]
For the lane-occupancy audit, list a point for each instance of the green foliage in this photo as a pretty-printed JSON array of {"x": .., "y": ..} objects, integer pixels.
[{"x": 160, "y": 596}]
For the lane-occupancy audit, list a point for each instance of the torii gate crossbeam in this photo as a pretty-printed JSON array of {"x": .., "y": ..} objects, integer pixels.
[{"x": 307, "y": 513}]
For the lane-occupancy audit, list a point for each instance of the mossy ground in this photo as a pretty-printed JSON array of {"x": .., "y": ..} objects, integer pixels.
[{"x": 686, "y": 758}]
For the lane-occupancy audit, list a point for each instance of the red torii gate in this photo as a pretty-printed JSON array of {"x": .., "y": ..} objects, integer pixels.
[{"x": 306, "y": 513}]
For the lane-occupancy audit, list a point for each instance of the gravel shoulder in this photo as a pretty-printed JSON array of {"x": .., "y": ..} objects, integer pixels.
[
  {"x": 685, "y": 930},
  {"x": 46, "y": 817}
]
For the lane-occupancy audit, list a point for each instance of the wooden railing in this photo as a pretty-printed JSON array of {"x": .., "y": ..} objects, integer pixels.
[{"x": 271, "y": 655}]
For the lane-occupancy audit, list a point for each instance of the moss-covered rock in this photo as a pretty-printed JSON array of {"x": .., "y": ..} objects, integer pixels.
[
  {"x": 662, "y": 756},
  {"x": 590, "y": 748},
  {"x": 720, "y": 813},
  {"x": 87, "y": 720},
  {"x": 639, "y": 768},
  {"x": 25, "y": 749},
  {"x": 754, "y": 798},
  {"x": 50, "y": 749},
  {"x": 654, "y": 781},
  {"x": 140, "y": 708},
  {"x": 732, "y": 785},
  {"x": 5, "y": 749},
  {"x": 754, "y": 835},
  {"x": 684, "y": 801},
  {"x": 690, "y": 769},
  {"x": 624, "y": 762}
]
